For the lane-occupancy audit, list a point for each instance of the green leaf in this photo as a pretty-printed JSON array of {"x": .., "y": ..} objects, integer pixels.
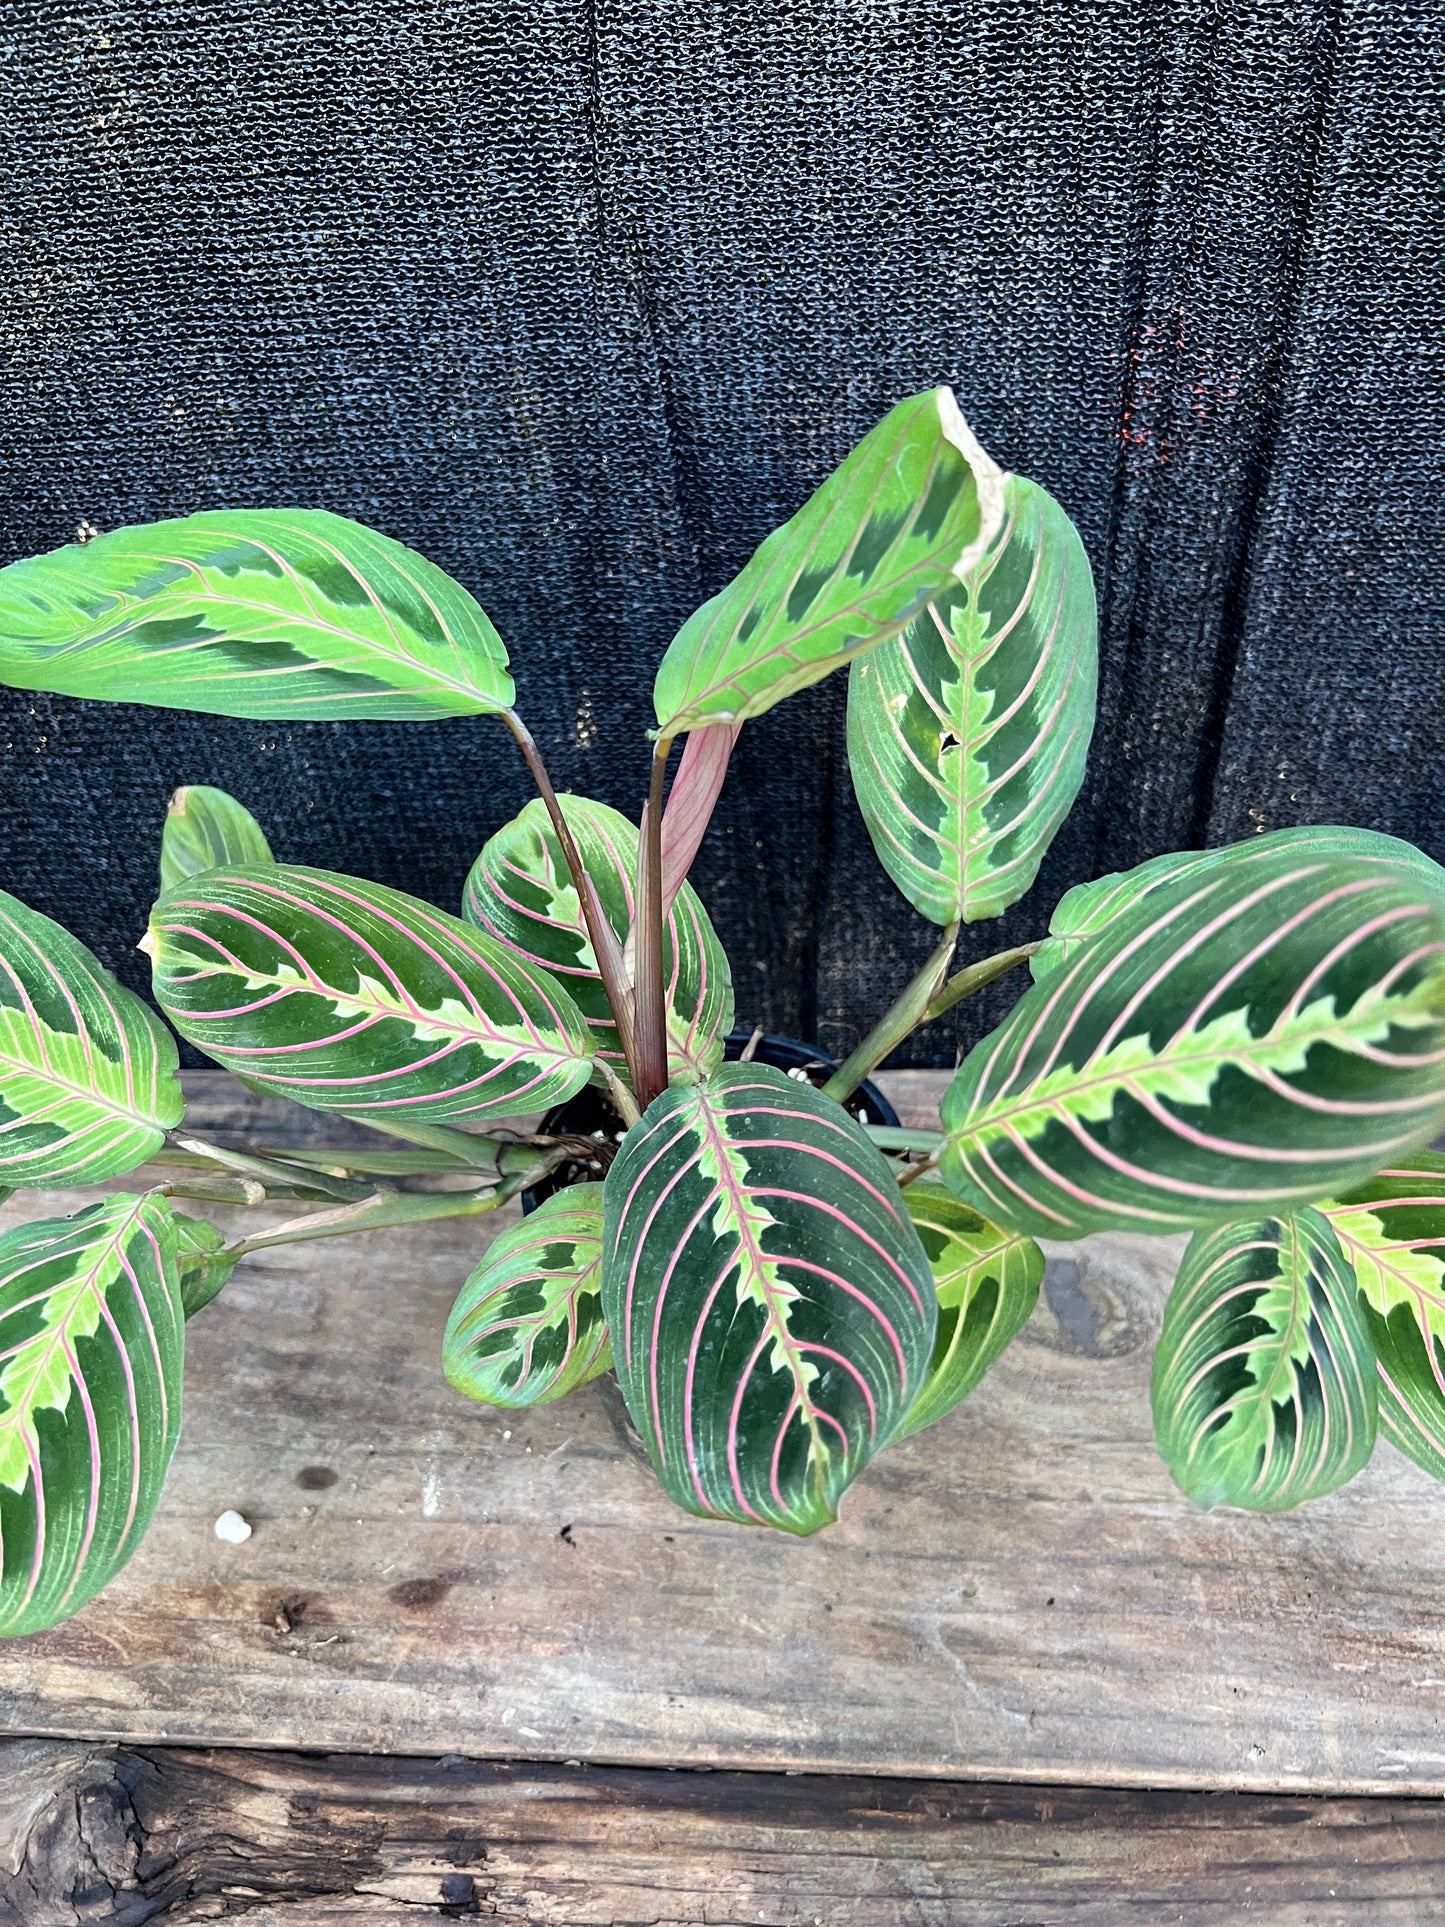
[
  {"x": 521, "y": 893},
  {"x": 1244, "y": 1036},
  {"x": 988, "y": 1284},
  {"x": 527, "y": 1327},
  {"x": 1090, "y": 907},
  {"x": 347, "y": 996},
  {"x": 201, "y": 1268},
  {"x": 88, "y": 1077},
  {"x": 91, "y": 1343},
  {"x": 771, "y": 1308},
  {"x": 292, "y": 613},
  {"x": 207, "y": 830},
  {"x": 968, "y": 733},
  {"x": 1392, "y": 1230},
  {"x": 1264, "y": 1380},
  {"x": 906, "y": 514}
]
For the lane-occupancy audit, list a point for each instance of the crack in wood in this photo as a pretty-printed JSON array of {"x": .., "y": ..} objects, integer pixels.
[{"x": 92, "y": 1833}]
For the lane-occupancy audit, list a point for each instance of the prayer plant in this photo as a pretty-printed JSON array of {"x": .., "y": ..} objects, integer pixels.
[{"x": 1246, "y": 1044}]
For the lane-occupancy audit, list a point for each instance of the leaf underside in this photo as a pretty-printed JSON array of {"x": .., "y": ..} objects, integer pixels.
[
  {"x": 521, "y": 892},
  {"x": 1264, "y": 1387},
  {"x": 527, "y": 1326},
  {"x": 771, "y": 1308},
  {"x": 1392, "y": 1230},
  {"x": 88, "y": 1077},
  {"x": 292, "y": 613},
  {"x": 691, "y": 798},
  {"x": 1244, "y": 1036},
  {"x": 987, "y": 1281},
  {"x": 347, "y": 996},
  {"x": 91, "y": 1345},
  {"x": 968, "y": 732},
  {"x": 910, "y": 507}
]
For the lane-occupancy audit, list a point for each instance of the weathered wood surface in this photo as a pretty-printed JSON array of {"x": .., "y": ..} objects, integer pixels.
[
  {"x": 1017, "y": 1593},
  {"x": 96, "y": 1834}
]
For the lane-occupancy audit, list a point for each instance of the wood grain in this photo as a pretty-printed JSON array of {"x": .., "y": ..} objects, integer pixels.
[
  {"x": 1017, "y": 1593},
  {"x": 290, "y": 1841}
]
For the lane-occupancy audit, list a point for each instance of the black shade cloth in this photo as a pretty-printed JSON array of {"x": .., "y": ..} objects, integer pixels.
[{"x": 582, "y": 299}]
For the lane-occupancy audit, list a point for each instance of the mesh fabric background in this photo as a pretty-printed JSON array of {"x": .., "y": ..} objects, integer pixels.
[{"x": 582, "y": 299}]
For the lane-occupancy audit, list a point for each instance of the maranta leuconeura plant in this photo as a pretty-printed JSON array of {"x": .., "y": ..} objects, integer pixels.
[{"x": 1243, "y": 1044}]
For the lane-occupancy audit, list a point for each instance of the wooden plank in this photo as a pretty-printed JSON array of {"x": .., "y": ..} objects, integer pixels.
[
  {"x": 293, "y": 1841},
  {"x": 1017, "y": 1593}
]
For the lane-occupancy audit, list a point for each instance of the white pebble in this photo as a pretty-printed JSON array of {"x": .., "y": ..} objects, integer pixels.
[{"x": 233, "y": 1529}]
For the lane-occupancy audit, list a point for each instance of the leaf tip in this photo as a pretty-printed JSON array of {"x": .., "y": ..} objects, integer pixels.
[
  {"x": 178, "y": 800},
  {"x": 989, "y": 478},
  {"x": 147, "y": 945}
]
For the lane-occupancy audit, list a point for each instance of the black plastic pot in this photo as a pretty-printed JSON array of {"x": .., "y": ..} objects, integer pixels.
[{"x": 589, "y": 1114}]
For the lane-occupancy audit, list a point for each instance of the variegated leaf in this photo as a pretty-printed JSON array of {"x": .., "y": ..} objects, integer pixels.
[
  {"x": 1245, "y": 1036},
  {"x": 88, "y": 1077},
  {"x": 907, "y": 513},
  {"x": 1089, "y": 907},
  {"x": 207, "y": 830},
  {"x": 521, "y": 893},
  {"x": 1392, "y": 1230},
  {"x": 527, "y": 1326},
  {"x": 968, "y": 733},
  {"x": 91, "y": 1344},
  {"x": 348, "y": 996},
  {"x": 202, "y": 1266},
  {"x": 771, "y": 1308},
  {"x": 988, "y": 1284},
  {"x": 292, "y": 613},
  {"x": 1264, "y": 1380}
]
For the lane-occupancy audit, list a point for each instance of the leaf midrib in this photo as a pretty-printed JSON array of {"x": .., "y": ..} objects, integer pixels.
[
  {"x": 728, "y": 1187},
  {"x": 84, "y": 1092},
  {"x": 18, "y": 1412},
  {"x": 1163, "y": 1061},
  {"x": 498, "y": 1033}
]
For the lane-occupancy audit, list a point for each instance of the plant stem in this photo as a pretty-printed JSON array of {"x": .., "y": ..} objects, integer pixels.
[
  {"x": 383, "y": 1209},
  {"x": 605, "y": 947},
  {"x": 905, "y": 1178},
  {"x": 625, "y": 1102},
  {"x": 477, "y": 1152},
  {"x": 651, "y": 1070},
  {"x": 925, "y": 998},
  {"x": 267, "y": 1172},
  {"x": 898, "y": 1137},
  {"x": 375, "y": 1213},
  {"x": 223, "y": 1188},
  {"x": 976, "y": 976},
  {"x": 903, "y": 1015}
]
